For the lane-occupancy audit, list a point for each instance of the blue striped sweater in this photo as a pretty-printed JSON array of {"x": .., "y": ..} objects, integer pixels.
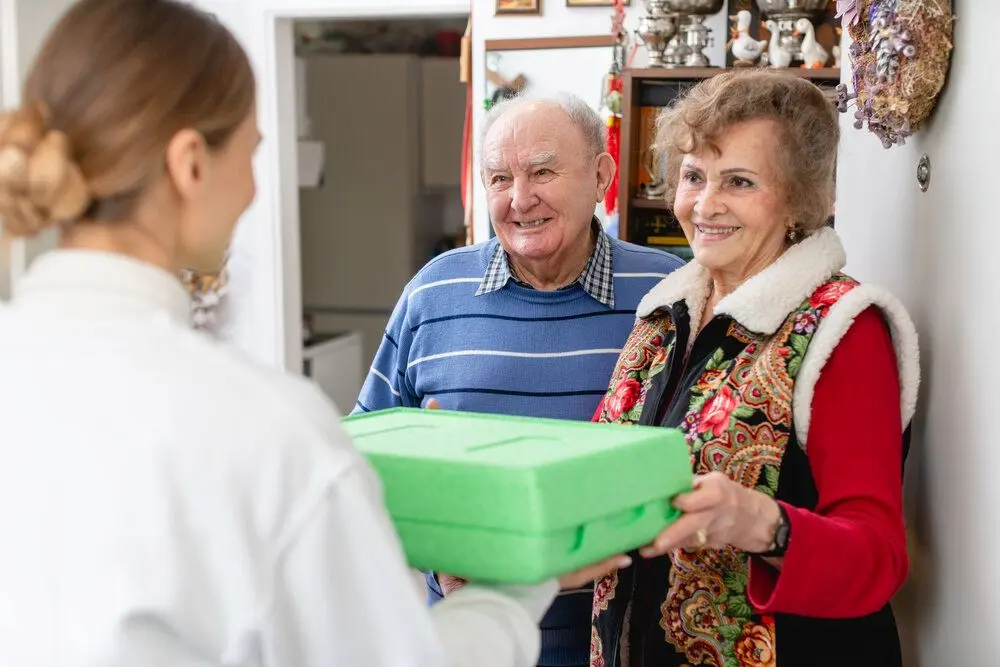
[{"x": 514, "y": 351}]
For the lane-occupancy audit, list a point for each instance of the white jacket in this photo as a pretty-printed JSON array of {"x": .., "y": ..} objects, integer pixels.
[{"x": 163, "y": 501}]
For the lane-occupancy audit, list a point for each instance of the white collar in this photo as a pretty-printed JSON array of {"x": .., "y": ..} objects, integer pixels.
[
  {"x": 764, "y": 301},
  {"x": 111, "y": 279}
]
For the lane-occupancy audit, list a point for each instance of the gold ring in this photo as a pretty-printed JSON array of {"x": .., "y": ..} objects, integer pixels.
[{"x": 702, "y": 537}]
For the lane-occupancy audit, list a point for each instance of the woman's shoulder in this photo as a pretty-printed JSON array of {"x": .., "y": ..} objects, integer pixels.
[
  {"x": 273, "y": 411},
  {"x": 858, "y": 322}
]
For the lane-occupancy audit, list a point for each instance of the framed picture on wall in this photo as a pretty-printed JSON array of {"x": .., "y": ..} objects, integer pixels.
[
  {"x": 518, "y": 7},
  {"x": 594, "y": 3}
]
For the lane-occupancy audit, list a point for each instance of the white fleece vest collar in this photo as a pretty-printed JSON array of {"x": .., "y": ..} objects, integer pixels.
[{"x": 763, "y": 302}]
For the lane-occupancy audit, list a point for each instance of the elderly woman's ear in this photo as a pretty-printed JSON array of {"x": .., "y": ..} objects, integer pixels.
[{"x": 605, "y": 174}]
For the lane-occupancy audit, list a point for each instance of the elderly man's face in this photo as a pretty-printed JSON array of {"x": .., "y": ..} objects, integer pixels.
[{"x": 542, "y": 183}]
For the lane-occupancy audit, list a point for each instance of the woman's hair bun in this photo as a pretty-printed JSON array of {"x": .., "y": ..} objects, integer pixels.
[{"x": 40, "y": 183}]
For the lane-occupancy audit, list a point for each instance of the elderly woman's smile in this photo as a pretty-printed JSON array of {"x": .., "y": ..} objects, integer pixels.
[{"x": 714, "y": 233}]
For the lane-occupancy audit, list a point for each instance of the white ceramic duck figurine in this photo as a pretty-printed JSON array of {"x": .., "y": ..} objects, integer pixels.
[
  {"x": 745, "y": 47},
  {"x": 813, "y": 53},
  {"x": 776, "y": 56}
]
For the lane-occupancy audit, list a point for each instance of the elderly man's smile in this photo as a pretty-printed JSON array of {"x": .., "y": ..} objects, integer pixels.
[{"x": 532, "y": 224}]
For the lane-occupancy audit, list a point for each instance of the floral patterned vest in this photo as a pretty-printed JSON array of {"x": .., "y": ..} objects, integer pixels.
[{"x": 730, "y": 393}]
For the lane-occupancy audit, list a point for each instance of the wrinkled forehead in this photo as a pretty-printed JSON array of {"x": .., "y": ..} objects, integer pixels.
[
  {"x": 753, "y": 145},
  {"x": 529, "y": 138}
]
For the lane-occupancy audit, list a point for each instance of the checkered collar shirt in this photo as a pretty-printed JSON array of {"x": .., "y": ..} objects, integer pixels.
[{"x": 596, "y": 280}]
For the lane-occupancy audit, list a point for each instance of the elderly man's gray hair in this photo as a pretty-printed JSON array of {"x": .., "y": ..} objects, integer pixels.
[{"x": 581, "y": 114}]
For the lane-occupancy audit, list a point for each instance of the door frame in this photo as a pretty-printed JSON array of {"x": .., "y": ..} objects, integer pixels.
[{"x": 264, "y": 316}]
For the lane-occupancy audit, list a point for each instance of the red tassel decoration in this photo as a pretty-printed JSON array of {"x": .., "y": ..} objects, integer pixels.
[
  {"x": 613, "y": 100},
  {"x": 614, "y": 124}
]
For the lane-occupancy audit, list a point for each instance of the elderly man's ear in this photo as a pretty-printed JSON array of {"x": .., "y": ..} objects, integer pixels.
[{"x": 605, "y": 173}]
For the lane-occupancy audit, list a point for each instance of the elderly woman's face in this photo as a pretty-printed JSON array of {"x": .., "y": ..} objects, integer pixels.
[
  {"x": 730, "y": 203},
  {"x": 542, "y": 182}
]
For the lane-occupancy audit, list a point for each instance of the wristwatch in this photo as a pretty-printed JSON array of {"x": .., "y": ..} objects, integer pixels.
[{"x": 782, "y": 533}]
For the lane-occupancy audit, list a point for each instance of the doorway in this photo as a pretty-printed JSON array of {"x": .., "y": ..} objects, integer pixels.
[{"x": 380, "y": 116}]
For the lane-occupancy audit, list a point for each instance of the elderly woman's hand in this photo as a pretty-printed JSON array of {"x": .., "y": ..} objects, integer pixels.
[{"x": 716, "y": 513}]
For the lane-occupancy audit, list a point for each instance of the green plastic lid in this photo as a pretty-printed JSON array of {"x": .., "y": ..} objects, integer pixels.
[{"x": 516, "y": 474}]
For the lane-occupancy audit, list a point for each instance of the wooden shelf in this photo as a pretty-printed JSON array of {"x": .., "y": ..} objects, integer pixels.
[
  {"x": 655, "y": 87},
  {"x": 674, "y": 73},
  {"x": 651, "y": 204},
  {"x": 699, "y": 73},
  {"x": 532, "y": 43}
]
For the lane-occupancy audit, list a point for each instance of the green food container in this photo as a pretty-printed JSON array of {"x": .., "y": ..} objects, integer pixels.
[{"x": 516, "y": 500}]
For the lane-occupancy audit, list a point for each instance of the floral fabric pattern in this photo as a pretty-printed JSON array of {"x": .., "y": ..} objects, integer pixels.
[
  {"x": 737, "y": 420},
  {"x": 643, "y": 357}
]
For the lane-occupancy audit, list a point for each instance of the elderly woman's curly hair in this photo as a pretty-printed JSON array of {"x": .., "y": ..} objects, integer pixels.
[{"x": 806, "y": 142}]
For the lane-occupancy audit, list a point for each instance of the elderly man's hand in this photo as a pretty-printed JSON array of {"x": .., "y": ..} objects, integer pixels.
[
  {"x": 567, "y": 582},
  {"x": 449, "y": 584},
  {"x": 594, "y": 572}
]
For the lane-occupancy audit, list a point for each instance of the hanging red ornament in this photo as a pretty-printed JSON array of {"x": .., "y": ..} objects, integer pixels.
[{"x": 613, "y": 100}]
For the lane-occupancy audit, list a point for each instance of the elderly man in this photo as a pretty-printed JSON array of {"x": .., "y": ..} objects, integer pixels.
[{"x": 532, "y": 321}]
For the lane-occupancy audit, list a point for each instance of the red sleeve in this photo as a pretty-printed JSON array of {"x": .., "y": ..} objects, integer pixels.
[
  {"x": 848, "y": 557},
  {"x": 597, "y": 412}
]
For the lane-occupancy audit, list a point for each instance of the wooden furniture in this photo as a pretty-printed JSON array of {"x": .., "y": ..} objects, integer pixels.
[{"x": 647, "y": 221}]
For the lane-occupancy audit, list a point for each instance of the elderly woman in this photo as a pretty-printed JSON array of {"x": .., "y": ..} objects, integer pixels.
[{"x": 793, "y": 385}]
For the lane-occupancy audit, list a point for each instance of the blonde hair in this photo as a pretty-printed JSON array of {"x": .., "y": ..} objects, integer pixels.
[
  {"x": 113, "y": 83},
  {"x": 806, "y": 143}
]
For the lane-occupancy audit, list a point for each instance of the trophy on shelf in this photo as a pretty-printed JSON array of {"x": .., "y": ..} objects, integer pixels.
[
  {"x": 656, "y": 30},
  {"x": 692, "y": 33},
  {"x": 653, "y": 186},
  {"x": 674, "y": 31},
  {"x": 791, "y": 23}
]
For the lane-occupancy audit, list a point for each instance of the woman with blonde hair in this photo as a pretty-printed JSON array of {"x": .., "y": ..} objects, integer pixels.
[
  {"x": 163, "y": 500},
  {"x": 792, "y": 383}
]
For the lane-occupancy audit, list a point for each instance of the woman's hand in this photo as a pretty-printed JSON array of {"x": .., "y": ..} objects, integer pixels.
[{"x": 716, "y": 513}]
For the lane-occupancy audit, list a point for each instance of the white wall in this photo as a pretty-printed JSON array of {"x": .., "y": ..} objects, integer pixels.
[
  {"x": 556, "y": 20},
  {"x": 937, "y": 251}
]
